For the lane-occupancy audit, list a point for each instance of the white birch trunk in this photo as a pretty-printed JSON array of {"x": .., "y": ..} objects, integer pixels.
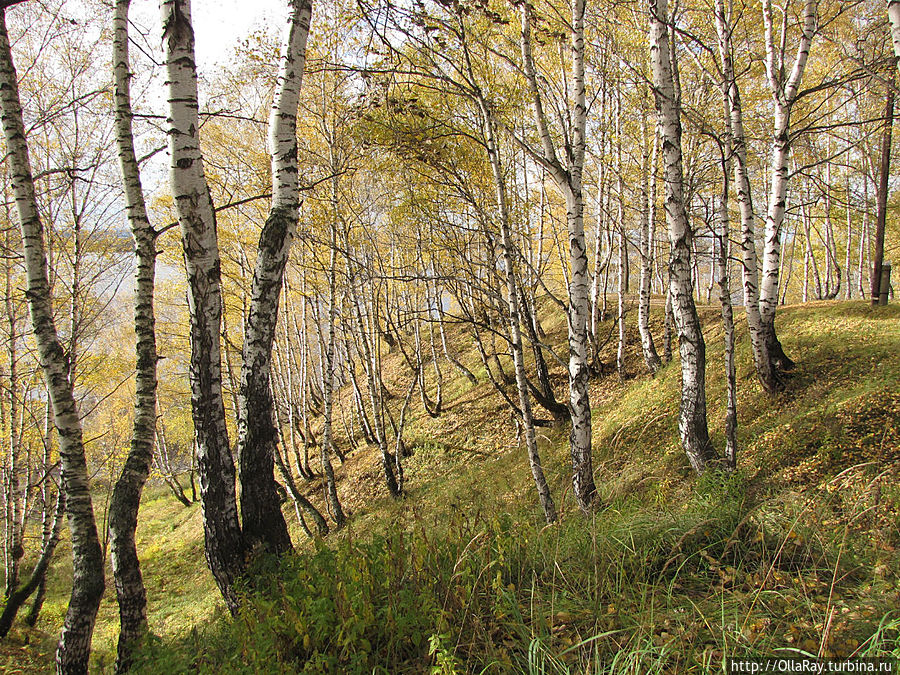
[
  {"x": 126, "y": 496},
  {"x": 367, "y": 335},
  {"x": 569, "y": 181},
  {"x": 512, "y": 299},
  {"x": 14, "y": 495},
  {"x": 784, "y": 92},
  {"x": 722, "y": 237},
  {"x": 749, "y": 258},
  {"x": 651, "y": 358},
  {"x": 893, "y": 12},
  {"x": 863, "y": 239},
  {"x": 833, "y": 272},
  {"x": 602, "y": 196},
  {"x": 263, "y": 522},
  {"x": 723, "y": 244},
  {"x": 692, "y": 422},
  {"x": 87, "y": 558},
  {"x": 621, "y": 248},
  {"x": 53, "y": 517},
  {"x": 194, "y": 207},
  {"x": 328, "y": 367},
  {"x": 849, "y": 248}
]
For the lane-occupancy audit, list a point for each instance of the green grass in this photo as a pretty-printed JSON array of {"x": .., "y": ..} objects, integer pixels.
[
  {"x": 795, "y": 553},
  {"x": 181, "y": 593}
]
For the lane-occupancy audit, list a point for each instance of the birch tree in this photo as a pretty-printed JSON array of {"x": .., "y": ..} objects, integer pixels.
[
  {"x": 15, "y": 469},
  {"x": 784, "y": 88},
  {"x": 263, "y": 522},
  {"x": 52, "y": 521},
  {"x": 648, "y": 173},
  {"x": 26, "y": 488},
  {"x": 893, "y": 11},
  {"x": 692, "y": 424},
  {"x": 196, "y": 217},
  {"x": 738, "y": 152},
  {"x": 722, "y": 243},
  {"x": 512, "y": 299},
  {"x": 328, "y": 381},
  {"x": 73, "y": 650},
  {"x": 489, "y": 129},
  {"x": 126, "y": 496},
  {"x": 568, "y": 177},
  {"x": 881, "y": 196}
]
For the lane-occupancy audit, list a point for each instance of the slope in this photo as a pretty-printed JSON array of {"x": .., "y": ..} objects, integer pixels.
[{"x": 797, "y": 551}]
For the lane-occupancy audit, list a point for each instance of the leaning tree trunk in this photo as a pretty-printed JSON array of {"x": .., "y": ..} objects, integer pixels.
[
  {"x": 263, "y": 521},
  {"x": 300, "y": 501},
  {"x": 515, "y": 321},
  {"x": 569, "y": 179},
  {"x": 692, "y": 423},
  {"x": 470, "y": 376},
  {"x": 367, "y": 347},
  {"x": 49, "y": 521},
  {"x": 87, "y": 557},
  {"x": 193, "y": 204},
  {"x": 750, "y": 267},
  {"x": 126, "y": 496}
]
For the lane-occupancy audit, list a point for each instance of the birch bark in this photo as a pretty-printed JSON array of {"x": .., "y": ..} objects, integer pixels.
[
  {"x": 50, "y": 539},
  {"x": 568, "y": 179},
  {"x": 73, "y": 651},
  {"x": 723, "y": 244},
  {"x": 833, "y": 269},
  {"x": 728, "y": 326},
  {"x": 328, "y": 366},
  {"x": 750, "y": 261},
  {"x": 14, "y": 496},
  {"x": 263, "y": 522},
  {"x": 784, "y": 90},
  {"x": 366, "y": 344},
  {"x": 515, "y": 320},
  {"x": 849, "y": 247},
  {"x": 692, "y": 423},
  {"x": 881, "y": 196},
  {"x": 126, "y": 496},
  {"x": 622, "y": 247},
  {"x": 893, "y": 11},
  {"x": 648, "y": 157},
  {"x": 193, "y": 205}
]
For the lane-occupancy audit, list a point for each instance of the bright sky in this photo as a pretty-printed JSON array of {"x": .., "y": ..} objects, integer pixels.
[{"x": 219, "y": 25}]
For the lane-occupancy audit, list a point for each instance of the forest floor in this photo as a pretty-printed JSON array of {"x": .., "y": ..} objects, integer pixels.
[{"x": 798, "y": 552}]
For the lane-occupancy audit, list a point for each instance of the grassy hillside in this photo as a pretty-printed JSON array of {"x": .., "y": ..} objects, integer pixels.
[{"x": 797, "y": 551}]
